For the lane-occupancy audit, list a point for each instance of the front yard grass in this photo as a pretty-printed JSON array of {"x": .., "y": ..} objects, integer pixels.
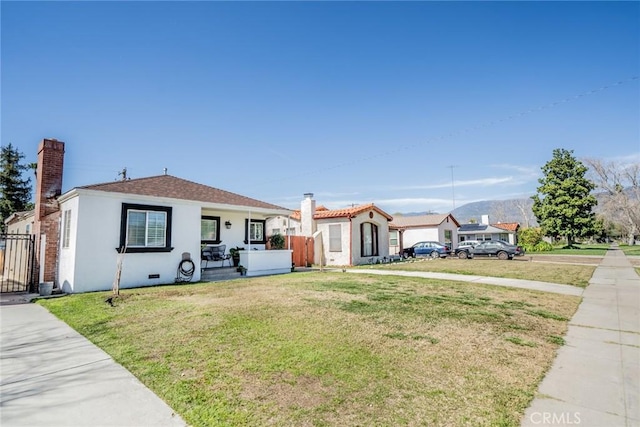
[
  {"x": 518, "y": 268},
  {"x": 320, "y": 349}
]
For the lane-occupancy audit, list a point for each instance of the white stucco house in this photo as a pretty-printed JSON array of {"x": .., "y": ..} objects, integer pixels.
[
  {"x": 154, "y": 222},
  {"x": 350, "y": 236},
  {"x": 406, "y": 230},
  {"x": 19, "y": 223}
]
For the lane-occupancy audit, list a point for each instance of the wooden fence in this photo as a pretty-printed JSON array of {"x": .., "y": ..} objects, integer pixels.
[{"x": 302, "y": 247}]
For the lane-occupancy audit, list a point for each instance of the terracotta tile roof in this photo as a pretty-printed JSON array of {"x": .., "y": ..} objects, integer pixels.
[
  {"x": 415, "y": 221},
  {"x": 350, "y": 212},
  {"x": 296, "y": 213},
  {"x": 509, "y": 226},
  {"x": 178, "y": 188}
]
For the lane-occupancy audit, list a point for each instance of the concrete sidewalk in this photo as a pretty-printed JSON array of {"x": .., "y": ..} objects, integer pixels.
[
  {"x": 52, "y": 376},
  {"x": 496, "y": 281},
  {"x": 595, "y": 378}
]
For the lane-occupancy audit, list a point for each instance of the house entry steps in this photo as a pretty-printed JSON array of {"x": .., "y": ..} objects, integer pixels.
[{"x": 217, "y": 274}]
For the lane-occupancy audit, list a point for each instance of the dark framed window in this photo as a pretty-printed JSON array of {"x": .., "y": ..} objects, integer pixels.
[
  {"x": 256, "y": 230},
  {"x": 210, "y": 229},
  {"x": 145, "y": 228},
  {"x": 448, "y": 237},
  {"x": 368, "y": 239}
]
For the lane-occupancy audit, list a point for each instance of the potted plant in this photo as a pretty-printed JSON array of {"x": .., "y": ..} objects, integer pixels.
[
  {"x": 235, "y": 255},
  {"x": 243, "y": 270}
]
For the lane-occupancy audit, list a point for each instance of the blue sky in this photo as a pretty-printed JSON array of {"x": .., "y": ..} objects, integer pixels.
[{"x": 413, "y": 106}]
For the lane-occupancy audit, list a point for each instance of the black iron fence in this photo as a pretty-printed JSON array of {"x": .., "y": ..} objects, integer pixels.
[{"x": 17, "y": 263}]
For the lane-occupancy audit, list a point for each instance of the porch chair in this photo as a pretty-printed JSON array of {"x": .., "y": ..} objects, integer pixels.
[{"x": 215, "y": 253}]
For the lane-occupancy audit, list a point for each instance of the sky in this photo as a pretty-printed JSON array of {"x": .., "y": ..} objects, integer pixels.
[{"x": 413, "y": 106}]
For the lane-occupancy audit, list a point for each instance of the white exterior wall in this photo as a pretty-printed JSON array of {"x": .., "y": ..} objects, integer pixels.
[
  {"x": 262, "y": 263},
  {"x": 383, "y": 237},
  {"x": 20, "y": 227},
  {"x": 89, "y": 264},
  {"x": 350, "y": 254},
  {"x": 235, "y": 236},
  {"x": 283, "y": 223},
  {"x": 334, "y": 258},
  {"x": 415, "y": 235},
  {"x": 434, "y": 234},
  {"x": 66, "y": 256}
]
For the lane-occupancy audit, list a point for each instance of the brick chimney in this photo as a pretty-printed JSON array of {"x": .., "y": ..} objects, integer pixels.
[
  {"x": 307, "y": 210},
  {"x": 47, "y": 212}
]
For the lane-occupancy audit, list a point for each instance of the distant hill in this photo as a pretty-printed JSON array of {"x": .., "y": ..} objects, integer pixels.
[
  {"x": 512, "y": 210},
  {"x": 515, "y": 210}
]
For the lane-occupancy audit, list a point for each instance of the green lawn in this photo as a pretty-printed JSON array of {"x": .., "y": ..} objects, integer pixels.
[
  {"x": 518, "y": 268},
  {"x": 322, "y": 349},
  {"x": 598, "y": 249}
]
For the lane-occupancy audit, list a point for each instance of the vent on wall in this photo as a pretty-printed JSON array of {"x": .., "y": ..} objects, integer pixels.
[{"x": 154, "y": 276}]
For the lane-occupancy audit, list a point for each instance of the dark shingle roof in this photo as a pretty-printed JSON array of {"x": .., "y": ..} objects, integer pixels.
[
  {"x": 472, "y": 227},
  {"x": 418, "y": 221},
  {"x": 178, "y": 188}
]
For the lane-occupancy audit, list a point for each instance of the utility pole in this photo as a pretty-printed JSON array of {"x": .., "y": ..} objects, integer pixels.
[{"x": 453, "y": 192}]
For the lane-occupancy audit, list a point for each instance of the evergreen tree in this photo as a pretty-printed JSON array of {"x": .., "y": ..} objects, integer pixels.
[
  {"x": 564, "y": 203},
  {"x": 15, "y": 191}
]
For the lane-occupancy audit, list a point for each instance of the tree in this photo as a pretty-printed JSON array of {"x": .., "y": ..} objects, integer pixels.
[
  {"x": 564, "y": 203},
  {"x": 15, "y": 191},
  {"x": 620, "y": 184}
]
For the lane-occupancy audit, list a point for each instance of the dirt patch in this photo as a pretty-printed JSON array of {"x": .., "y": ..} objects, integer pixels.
[
  {"x": 572, "y": 259},
  {"x": 564, "y": 259}
]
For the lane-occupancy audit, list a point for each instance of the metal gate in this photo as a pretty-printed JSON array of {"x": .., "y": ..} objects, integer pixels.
[{"x": 17, "y": 262}]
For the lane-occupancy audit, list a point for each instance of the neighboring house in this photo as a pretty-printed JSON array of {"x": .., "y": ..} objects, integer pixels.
[
  {"x": 154, "y": 221},
  {"x": 19, "y": 223},
  {"x": 485, "y": 231},
  {"x": 350, "y": 236},
  {"x": 404, "y": 231},
  {"x": 290, "y": 225}
]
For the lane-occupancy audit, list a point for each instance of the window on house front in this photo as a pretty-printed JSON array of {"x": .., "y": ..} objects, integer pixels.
[
  {"x": 504, "y": 236},
  {"x": 145, "y": 228},
  {"x": 66, "y": 228},
  {"x": 210, "y": 229},
  {"x": 291, "y": 231},
  {"x": 368, "y": 239},
  {"x": 448, "y": 237},
  {"x": 335, "y": 238},
  {"x": 393, "y": 237},
  {"x": 256, "y": 231}
]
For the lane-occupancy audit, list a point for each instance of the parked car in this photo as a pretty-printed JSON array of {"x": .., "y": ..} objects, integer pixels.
[
  {"x": 430, "y": 249},
  {"x": 467, "y": 243},
  {"x": 490, "y": 248}
]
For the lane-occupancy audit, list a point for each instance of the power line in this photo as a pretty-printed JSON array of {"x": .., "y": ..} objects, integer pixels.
[{"x": 455, "y": 133}]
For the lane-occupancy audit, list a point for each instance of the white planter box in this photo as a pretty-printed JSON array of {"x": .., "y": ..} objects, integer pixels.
[{"x": 262, "y": 263}]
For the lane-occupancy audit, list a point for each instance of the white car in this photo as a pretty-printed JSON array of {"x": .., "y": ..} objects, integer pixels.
[{"x": 467, "y": 243}]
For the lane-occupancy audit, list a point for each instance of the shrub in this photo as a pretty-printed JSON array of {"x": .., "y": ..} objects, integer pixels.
[
  {"x": 543, "y": 247},
  {"x": 276, "y": 241}
]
